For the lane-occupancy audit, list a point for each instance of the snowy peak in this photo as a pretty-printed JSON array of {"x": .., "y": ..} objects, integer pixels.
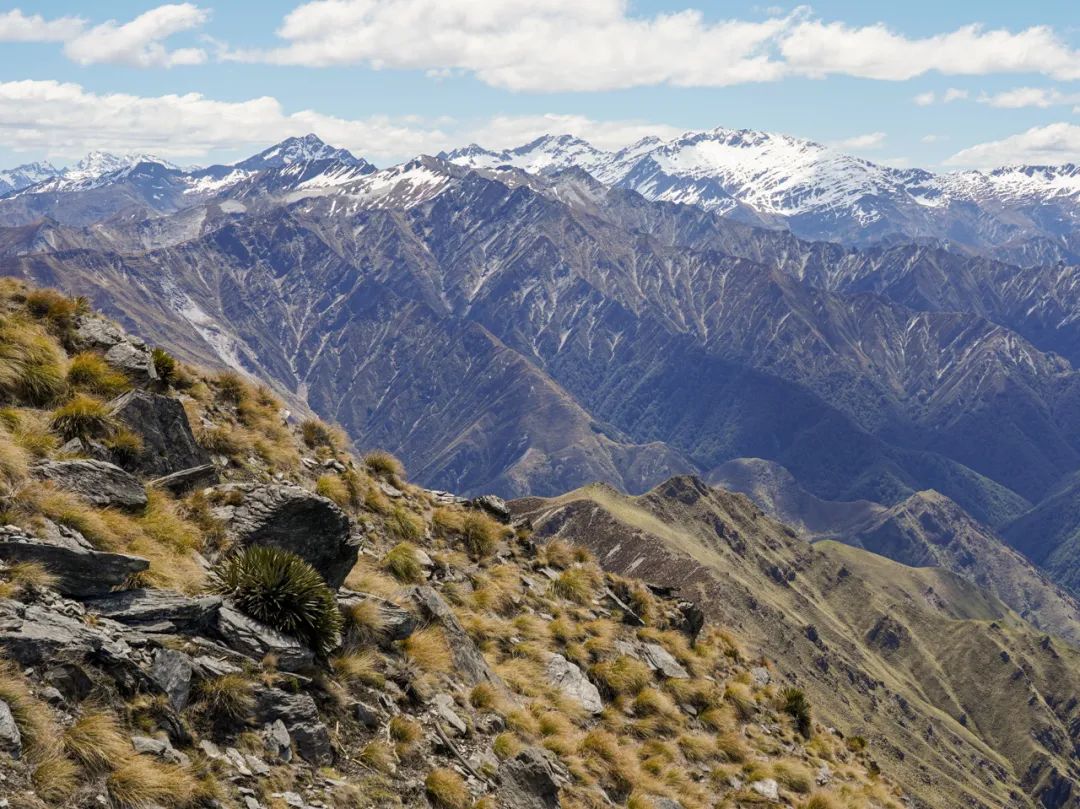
[
  {"x": 290, "y": 151},
  {"x": 546, "y": 153},
  {"x": 26, "y": 175},
  {"x": 98, "y": 164}
]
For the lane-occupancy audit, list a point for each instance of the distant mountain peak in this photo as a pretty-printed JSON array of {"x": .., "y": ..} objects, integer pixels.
[
  {"x": 301, "y": 149},
  {"x": 98, "y": 163}
]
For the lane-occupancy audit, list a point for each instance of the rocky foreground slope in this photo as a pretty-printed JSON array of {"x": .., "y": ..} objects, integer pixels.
[{"x": 437, "y": 653}]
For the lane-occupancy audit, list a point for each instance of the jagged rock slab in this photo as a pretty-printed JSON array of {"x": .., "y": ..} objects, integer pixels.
[
  {"x": 168, "y": 444},
  {"x": 79, "y": 572},
  {"x": 257, "y": 640},
  {"x": 122, "y": 351},
  {"x": 187, "y": 479},
  {"x": 172, "y": 671},
  {"x": 98, "y": 482},
  {"x": 571, "y": 680},
  {"x": 10, "y": 738},
  {"x": 297, "y": 712},
  {"x": 31, "y": 634},
  {"x": 158, "y": 610},
  {"x": 296, "y": 520}
]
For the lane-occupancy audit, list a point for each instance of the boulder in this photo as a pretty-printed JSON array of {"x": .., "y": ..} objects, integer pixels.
[
  {"x": 297, "y": 712},
  {"x": 168, "y": 443},
  {"x": 71, "y": 682},
  {"x": 528, "y": 781},
  {"x": 278, "y": 742},
  {"x": 469, "y": 663},
  {"x": 296, "y": 520},
  {"x": 158, "y": 610},
  {"x": 172, "y": 671},
  {"x": 397, "y": 624},
  {"x": 257, "y": 640},
  {"x": 661, "y": 661},
  {"x": 32, "y": 634},
  {"x": 767, "y": 788},
  {"x": 187, "y": 480},
  {"x": 571, "y": 680},
  {"x": 444, "y": 710},
  {"x": 494, "y": 506},
  {"x": 122, "y": 351},
  {"x": 80, "y": 572},
  {"x": 98, "y": 482},
  {"x": 10, "y": 738}
]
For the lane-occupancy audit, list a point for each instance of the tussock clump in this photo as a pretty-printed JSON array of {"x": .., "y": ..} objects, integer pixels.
[
  {"x": 480, "y": 535},
  {"x": 90, "y": 373},
  {"x": 332, "y": 487},
  {"x": 797, "y": 706},
  {"x": 283, "y": 591},
  {"x": 231, "y": 696},
  {"x": 384, "y": 465},
  {"x": 403, "y": 563},
  {"x": 140, "y": 783},
  {"x": 31, "y": 363},
  {"x": 446, "y": 789},
  {"x": 622, "y": 676},
  {"x": 96, "y": 741},
  {"x": 83, "y": 416},
  {"x": 428, "y": 650},
  {"x": 577, "y": 584},
  {"x": 166, "y": 366},
  {"x": 405, "y": 525}
]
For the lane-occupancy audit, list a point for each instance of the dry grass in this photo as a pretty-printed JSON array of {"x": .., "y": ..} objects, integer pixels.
[
  {"x": 428, "y": 650},
  {"x": 83, "y": 416},
  {"x": 446, "y": 789},
  {"x": 480, "y": 535},
  {"x": 405, "y": 732},
  {"x": 405, "y": 525},
  {"x": 360, "y": 667},
  {"x": 379, "y": 756},
  {"x": 32, "y": 364},
  {"x": 230, "y": 695},
  {"x": 365, "y": 622},
  {"x": 88, "y": 372},
  {"x": 622, "y": 676},
  {"x": 141, "y": 783},
  {"x": 332, "y": 487},
  {"x": 403, "y": 564},
  {"x": 576, "y": 584},
  {"x": 55, "y": 778},
  {"x": 96, "y": 741},
  {"x": 384, "y": 465}
]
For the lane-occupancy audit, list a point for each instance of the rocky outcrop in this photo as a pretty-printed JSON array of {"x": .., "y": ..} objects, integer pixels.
[
  {"x": 10, "y": 738},
  {"x": 158, "y": 610},
  {"x": 187, "y": 480},
  {"x": 168, "y": 444},
  {"x": 529, "y": 780},
  {"x": 124, "y": 352},
  {"x": 172, "y": 671},
  {"x": 257, "y": 640},
  {"x": 300, "y": 717},
  {"x": 98, "y": 482},
  {"x": 79, "y": 571},
  {"x": 395, "y": 622},
  {"x": 571, "y": 680},
  {"x": 298, "y": 521}
]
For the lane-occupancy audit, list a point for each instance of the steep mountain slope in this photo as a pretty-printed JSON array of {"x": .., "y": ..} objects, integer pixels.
[
  {"x": 1024, "y": 213},
  {"x": 969, "y": 703},
  {"x": 20, "y": 177}
]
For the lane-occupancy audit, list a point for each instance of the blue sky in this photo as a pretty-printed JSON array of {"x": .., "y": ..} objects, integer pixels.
[{"x": 907, "y": 84}]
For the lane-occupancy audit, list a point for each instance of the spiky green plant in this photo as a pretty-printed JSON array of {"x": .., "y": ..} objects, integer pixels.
[
  {"x": 165, "y": 365},
  {"x": 797, "y": 706},
  {"x": 283, "y": 591}
]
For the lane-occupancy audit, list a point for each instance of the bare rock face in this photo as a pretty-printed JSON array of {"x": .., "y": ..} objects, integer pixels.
[
  {"x": 528, "y": 781},
  {"x": 256, "y": 640},
  {"x": 124, "y": 352},
  {"x": 294, "y": 519},
  {"x": 300, "y": 717},
  {"x": 80, "y": 572},
  {"x": 168, "y": 443},
  {"x": 567, "y": 677},
  {"x": 158, "y": 610},
  {"x": 10, "y": 738},
  {"x": 99, "y": 482}
]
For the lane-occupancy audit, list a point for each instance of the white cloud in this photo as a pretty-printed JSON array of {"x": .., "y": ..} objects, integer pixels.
[
  {"x": 561, "y": 45},
  {"x": 539, "y": 45},
  {"x": 925, "y": 99},
  {"x": 66, "y": 121},
  {"x": 953, "y": 94},
  {"x": 950, "y": 95},
  {"x": 817, "y": 48},
  {"x": 1030, "y": 97},
  {"x": 18, "y": 27},
  {"x": 1052, "y": 144},
  {"x": 933, "y": 138},
  {"x": 871, "y": 140},
  {"x": 139, "y": 42}
]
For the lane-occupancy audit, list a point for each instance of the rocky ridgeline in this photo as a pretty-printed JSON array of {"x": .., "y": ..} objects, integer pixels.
[{"x": 471, "y": 666}]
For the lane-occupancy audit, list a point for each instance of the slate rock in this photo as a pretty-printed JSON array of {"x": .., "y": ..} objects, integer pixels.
[
  {"x": 444, "y": 710},
  {"x": 80, "y": 572},
  {"x": 397, "y": 624},
  {"x": 278, "y": 741},
  {"x": 494, "y": 506},
  {"x": 10, "y": 738},
  {"x": 71, "y": 682},
  {"x": 257, "y": 640},
  {"x": 528, "y": 781},
  {"x": 32, "y": 634},
  {"x": 168, "y": 444},
  {"x": 124, "y": 352},
  {"x": 294, "y": 519},
  {"x": 158, "y": 610},
  {"x": 98, "y": 482},
  {"x": 134, "y": 360},
  {"x": 568, "y": 678},
  {"x": 660, "y": 660},
  {"x": 172, "y": 671},
  {"x": 187, "y": 480},
  {"x": 766, "y": 788},
  {"x": 297, "y": 712}
]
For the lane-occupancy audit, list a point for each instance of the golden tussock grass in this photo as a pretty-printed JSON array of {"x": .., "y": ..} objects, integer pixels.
[
  {"x": 428, "y": 650},
  {"x": 446, "y": 789}
]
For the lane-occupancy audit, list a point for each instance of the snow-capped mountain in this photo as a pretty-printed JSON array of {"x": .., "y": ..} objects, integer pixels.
[
  {"x": 98, "y": 164},
  {"x": 821, "y": 193},
  {"x": 307, "y": 149},
  {"x": 26, "y": 175}
]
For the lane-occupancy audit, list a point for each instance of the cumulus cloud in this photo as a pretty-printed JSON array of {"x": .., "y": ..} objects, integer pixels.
[
  {"x": 140, "y": 42},
  {"x": 1052, "y": 144},
  {"x": 67, "y": 120},
  {"x": 539, "y": 45},
  {"x": 18, "y": 27},
  {"x": 1019, "y": 97},
  {"x": 950, "y": 95},
  {"x": 560, "y": 45},
  {"x": 871, "y": 140}
]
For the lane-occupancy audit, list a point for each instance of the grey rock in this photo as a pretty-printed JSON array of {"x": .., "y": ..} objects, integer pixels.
[
  {"x": 297, "y": 712},
  {"x": 144, "y": 745},
  {"x": 444, "y": 710},
  {"x": 761, "y": 675},
  {"x": 528, "y": 781},
  {"x": 365, "y": 715},
  {"x": 10, "y": 738},
  {"x": 239, "y": 763},
  {"x": 666, "y": 803},
  {"x": 70, "y": 681},
  {"x": 124, "y": 352},
  {"x": 278, "y": 741},
  {"x": 568, "y": 678},
  {"x": 187, "y": 480},
  {"x": 296, "y": 520},
  {"x": 469, "y": 663},
  {"x": 99, "y": 482},
  {"x": 257, "y": 640},
  {"x": 168, "y": 444},
  {"x": 79, "y": 572},
  {"x": 495, "y": 506},
  {"x": 32, "y": 634},
  {"x": 158, "y": 610},
  {"x": 134, "y": 360},
  {"x": 766, "y": 788},
  {"x": 660, "y": 660},
  {"x": 397, "y": 623},
  {"x": 53, "y": 696},
  {"x": 172, "y": 671}
]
